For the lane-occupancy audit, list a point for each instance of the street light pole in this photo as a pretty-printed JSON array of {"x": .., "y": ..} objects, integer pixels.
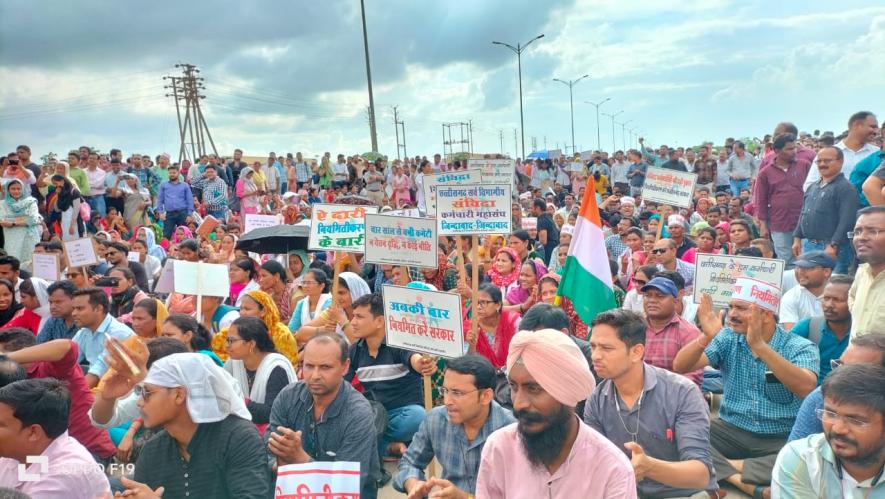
[
  {"x": 624, "y": 133},
  {"x": 613, "y": 116},
  {"x": 372, "y": 129},
  {"x": 518, "y": 51},
  {"x": 570, "y": 84},
  {"x": 596, "y": 105}
]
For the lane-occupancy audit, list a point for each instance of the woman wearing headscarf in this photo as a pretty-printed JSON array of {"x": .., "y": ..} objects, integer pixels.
[
  {"x": 504, "y": 270},
  {"x": 181, "y": 233},
  {"x": 292, "y": 214},
  {"x": 227, "y": 250},
  {"x": 150, "y": 237},
  {"x": 135, "y": 199},
  {"x": 337, "y": 317},
  {"x": 247, "y": 191},
  {"x": 259, "y": 304},
  {"x": 273, "y": 280},
  {"x": 66, "y": 210},
  {"x": 297, "y": 263},
  {"x": 547, "y": 287},
  {"x": 242, "y": 275},
  {"x": 436, "y": 276},
  {"x": 525, "y": 286},
  {"x": 124, "y": 295},
  {"x": 152, "y": 265},
  {"x": 21, "y": 221},
  {"x": 34, "y": 306},
  {"x": 304, "y": 322}
]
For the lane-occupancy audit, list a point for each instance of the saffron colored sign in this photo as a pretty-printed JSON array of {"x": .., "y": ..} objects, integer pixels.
[
  {"x": 392, "y": 240},
  {"x": 338, "y": 227},
  {"x": 715, "y": 275},
  {"x": 473, "y": 209},
  {"x": 450, "y": 178},
  {"x": 423, "y": 321},
  {"x": 669, "y": 187},
  {"x": 318, "y": 480}
]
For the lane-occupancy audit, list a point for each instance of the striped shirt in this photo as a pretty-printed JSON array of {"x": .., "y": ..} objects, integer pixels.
[
  {"x": 662, "y": 346},
  {"x": 388, "y": 377}
]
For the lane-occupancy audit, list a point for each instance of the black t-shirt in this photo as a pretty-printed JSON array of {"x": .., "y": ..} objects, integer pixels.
[
  {"x": 545, "y": 222},
  {"x": 675, "y": 164},
  {"x": 687, "y": 244},
  {"x": 138, "y": 271},
  {"x": 387, "y": 378}
]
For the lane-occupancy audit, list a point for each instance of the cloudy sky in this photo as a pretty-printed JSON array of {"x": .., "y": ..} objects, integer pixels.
[{"x": 290, "y": 75}]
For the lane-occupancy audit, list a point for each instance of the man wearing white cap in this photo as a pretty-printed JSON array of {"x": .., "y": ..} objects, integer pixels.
[
  {"x": 550, "y": 452},
  {"x": 766, "y": 372},
  {"x": 565, "y": 239},
  {"x": 676, "y": 230}
]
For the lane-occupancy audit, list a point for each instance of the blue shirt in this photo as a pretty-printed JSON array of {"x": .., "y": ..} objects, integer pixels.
[
  {"x": 830, "y": 346},
  {"x": 55, "y": 329},
  {"x": 748, "y": 401},
  {"x": 863, "y": 170},
  {"x": 92, "y": 343},
  {"x": 175, "y": 196},
  {"x": 807, "y": 422},
  {"x": 459, "y": 458}
]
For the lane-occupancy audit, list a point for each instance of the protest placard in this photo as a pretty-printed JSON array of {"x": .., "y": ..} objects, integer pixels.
[
  {"x": 669, "y": 187},
  {"x": 423, "y": 321},
  {"x": 80, "y": 252},
  {"x": 207, "y": 226},
  {"x": 201, "y": 279},
  {"x": 133, "y": 256},
  {"x": 529, "y": 223},
  {"x": 473, "y": 209},
  {"x": 46, "y": 266},
  {"x": 393, "y": 240},
  {"x": 166, "y": 282},
  {"x": 716, "y": 274},
  {"x": 576, "y": 166},
  {"x": 338, "y": 227},
  {"x": 318, "y": 479},
  {"x": 494, "y": 171},
  {"x": 406, "y": 212},
  {"x": 255, "y": 221},
  {"x": 449, "y": 178}
]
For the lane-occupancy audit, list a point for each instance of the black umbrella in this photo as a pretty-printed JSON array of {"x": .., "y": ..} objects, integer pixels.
[
  {"x": 355, "y": 200},
  {"x": 277, "y": 240}
]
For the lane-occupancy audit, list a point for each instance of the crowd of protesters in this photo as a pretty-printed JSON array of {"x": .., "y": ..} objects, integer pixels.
[{"x": 130, "y": 391}]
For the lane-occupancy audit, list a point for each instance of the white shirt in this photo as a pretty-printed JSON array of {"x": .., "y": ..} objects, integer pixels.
[
  {"x": 419, "y": 192},
  {"x": 797, "y": 304},
  {"x": 96, "y": 181},
  {"x": 339, "y": 170},
  {"x": 851, "y": 158}
]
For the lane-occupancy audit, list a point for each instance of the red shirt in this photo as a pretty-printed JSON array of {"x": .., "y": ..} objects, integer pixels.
[
  {"x": 779, "y": 195},
  {"x": 96, "y": 440},
  {"x": 662, "y": 346},
  {"x": 26, "y": 319}
]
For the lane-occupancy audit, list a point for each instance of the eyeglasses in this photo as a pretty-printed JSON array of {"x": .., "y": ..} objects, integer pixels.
[
  {"x": 483, "y": 303},
  {"x": 835, "y": 363},
  {"x": 831, "y": 417},
  {"x": 860, "y": 232},
  {"x": 230, "y": 341},
  {"x": 456, "y": 394},
  {"x": 144, "y": 393},
  {"x": 659, "y": 251}
]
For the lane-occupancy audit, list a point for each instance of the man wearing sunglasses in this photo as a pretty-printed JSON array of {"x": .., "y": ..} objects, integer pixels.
[{"x": 665, "y": 255}]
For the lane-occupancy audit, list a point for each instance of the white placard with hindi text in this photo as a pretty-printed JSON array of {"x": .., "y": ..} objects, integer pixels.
[
  {"x": 529, "y": 223},
  {"x": 80, "y": 252},
  {"x": 198, "y": 278},
  {"x": 46, "y": 266},
  {"x": 318, "y": 479},
  {"x": 133, "y": 256},
  {"x": 716, "y": 274},
  {"x": 494, "y": 171},
  {"x": 255, "y": 221},
  {"x": 392, "y": 240},
  {"x": 473, "y": 209},
  {"x": 670, "y": 187},
  {"x": 424, "y": 321},
  {"x": 166, "y": 282},
  {"x": 338, "y": 227},
  {"x": 431, "y": 182}
]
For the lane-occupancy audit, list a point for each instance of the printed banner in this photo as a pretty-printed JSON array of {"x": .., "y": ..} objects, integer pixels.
[
  {"x": 339, "y": 227},
  {"x": 318, "y": 479},
  {"x": 80, "y": 252},
  {"x": 529, "y": 223},
  {"x": 46, "y": 266},
  {"x": 405, "y": 212},
  {"x": 255, "y": 221},
  {"x": 451, "y": 178},
  {"x": 494, "y": 171},
  {"x": 669, "y": 187},
  {"x": 473, "y": 209},
  {"x": 424, "y": 321},
  {"x": 716, "y": 274},
  {"x": 198, "y": 278},
  {"x": 393, "y": 240}
]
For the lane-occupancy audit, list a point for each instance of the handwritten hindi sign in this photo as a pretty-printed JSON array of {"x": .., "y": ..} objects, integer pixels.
[
  {"x": 473, "y": 209},
  {"x": 392, "y": 240},
  {"x": 405, "y": 212},
  {"x": 46, "y": 266},
  {"x": 450, "y": 178},
  {"x": 494, "y": 171},
  {"x": 255, "y": 221},
  {"x": 133, "y": 256},
  {"x": 669, "y": 187},
  {"x": 318, "y": 479},
  {"x": 423, "y": 321},
  {"x": 80, "y": 252},
  {"x": 339, "y": 227},
  {"x": 716, "y": 274},
  {"x": 529, "y": 223},
  {"x": 198, "y": 278}
]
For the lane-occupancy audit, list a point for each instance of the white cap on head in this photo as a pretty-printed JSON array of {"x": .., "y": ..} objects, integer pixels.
[
  {"x": 757, "y": 292},
  {"x": 567, "y": 229}
]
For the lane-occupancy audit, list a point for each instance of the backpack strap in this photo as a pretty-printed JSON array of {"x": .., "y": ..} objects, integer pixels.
[{"x": 815, "y": 331}]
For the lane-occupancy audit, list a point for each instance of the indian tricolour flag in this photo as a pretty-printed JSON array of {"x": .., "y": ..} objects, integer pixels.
[{"x": 586, "y": 276}]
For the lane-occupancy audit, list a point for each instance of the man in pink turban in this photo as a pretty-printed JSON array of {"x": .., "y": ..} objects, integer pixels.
[{"x": 549, "y": 452}]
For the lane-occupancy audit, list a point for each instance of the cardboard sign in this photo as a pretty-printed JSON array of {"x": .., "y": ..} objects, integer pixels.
[
  {"x": 407, "y": 212},
  {"x": 530, "y": 223},
  {"x": 576, "y": 166},
  {"x": 255, "y": 221},
  {"x": 423, "y": 321},
  {"x": 716, "y": 274},
  {"x": 393, "y": 240},
  {"x": 494, "y": 171},
  {"x": 318, "y": 479},
  {"x": 166, "y": 282},
  {"x": 431, "y": 182},
  {"x": 473, "y": 209},
  {"x": 80, "y": 252},
  {"x": 208, "y": 225},
  {"x": 339, "y": 227},
  {"x": 198, "y": 278},
  {"x": 46, "y": 266},
  {"x": 669, "y": 187},
  {"x": 133, "y": 256}
]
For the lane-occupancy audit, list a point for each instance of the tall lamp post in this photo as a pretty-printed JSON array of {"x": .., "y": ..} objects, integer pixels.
[
  {"x": 518, "y": 49},
  {"x": 596, "y": 105},
  {"x": 372, "y": 129},
  {"x": 624, "y": 133},
  {"x": 570, "y": 84},
  {"x": 613, "y": 116}
]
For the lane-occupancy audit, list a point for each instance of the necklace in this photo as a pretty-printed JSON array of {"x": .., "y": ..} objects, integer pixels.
[{"x": 634, "y": 435}]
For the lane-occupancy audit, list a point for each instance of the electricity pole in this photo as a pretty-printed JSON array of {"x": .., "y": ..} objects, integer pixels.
[
  {"x": 596, "y": 105},
  {"x": 372, "y": 130},
  {"x": 624, "y": 133},
  {"x": 571, "y": 102},
  {"x": 518, "y": 49},
  {"x": 613, "y": 116},
  {"x": 397, "y": 123},
  {"x": 187, "y": 88}
]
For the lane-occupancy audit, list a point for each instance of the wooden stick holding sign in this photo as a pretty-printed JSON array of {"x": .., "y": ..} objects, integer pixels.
[
  {"x": 459, "y": 261},
  {"x": 474, "y": 320},
  {"x": 428, "y": 405}
]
